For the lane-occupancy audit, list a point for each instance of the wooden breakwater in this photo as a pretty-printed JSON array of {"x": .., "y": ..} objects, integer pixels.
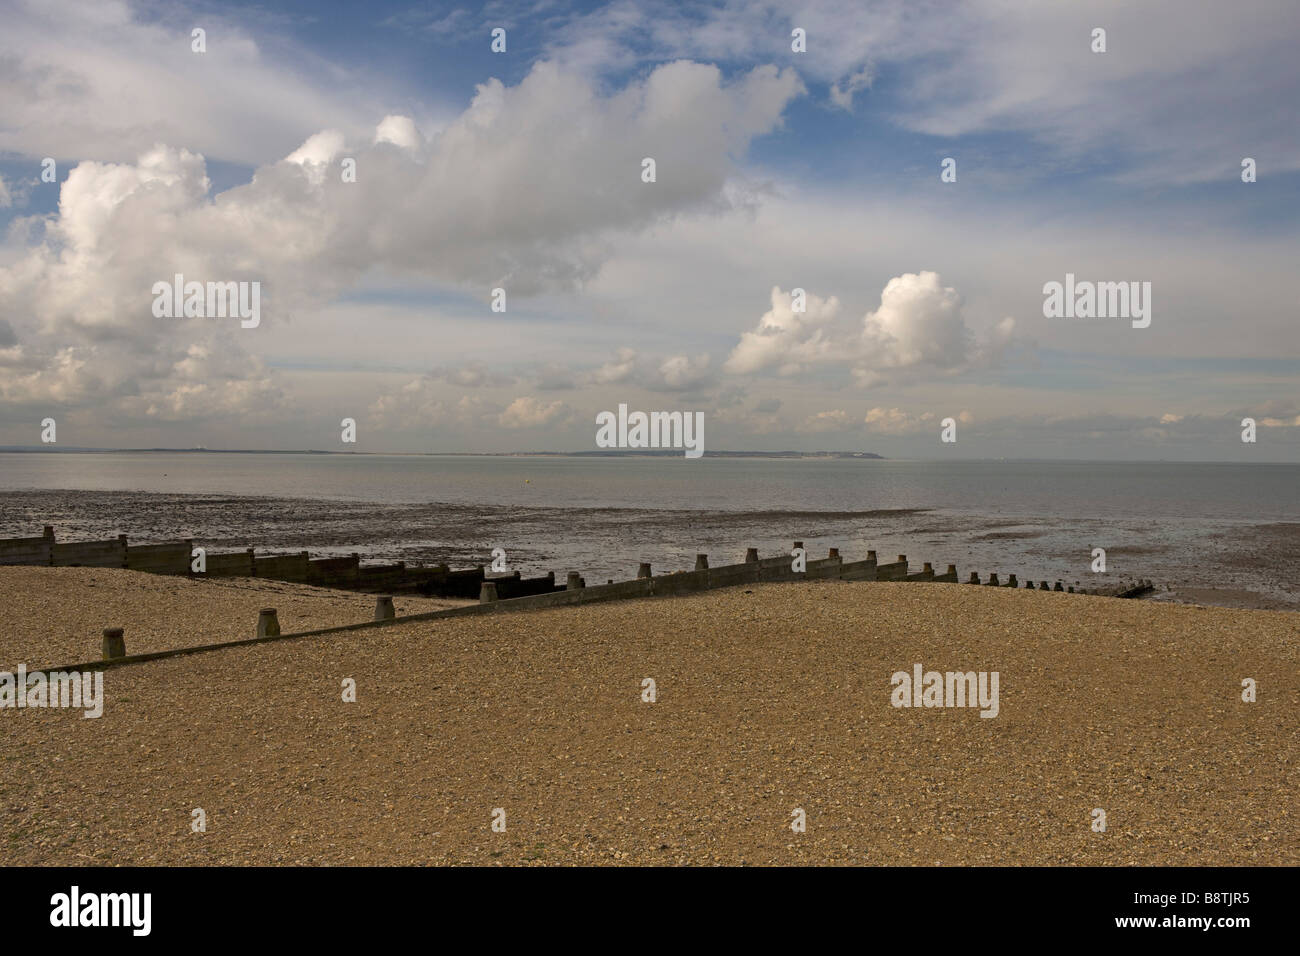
[
  {"x": 348, "y": 573},
  {"x": 344, "y": 573},
  {"x": 753, "y": 570}
]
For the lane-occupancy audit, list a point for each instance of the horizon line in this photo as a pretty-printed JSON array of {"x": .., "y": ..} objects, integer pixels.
[{"x": 670, "y": 453}]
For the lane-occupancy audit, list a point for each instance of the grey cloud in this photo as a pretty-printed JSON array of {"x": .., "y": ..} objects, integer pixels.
[{"x": 104, "y": 79}]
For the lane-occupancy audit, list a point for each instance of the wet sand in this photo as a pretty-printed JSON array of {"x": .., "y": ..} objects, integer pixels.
[
  {"x": 770, "y": 699},
  {"x": 1226, "y": 597},
  {"x": 1259, "y": 556}
]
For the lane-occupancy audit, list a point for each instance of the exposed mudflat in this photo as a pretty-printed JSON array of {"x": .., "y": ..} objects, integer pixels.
[{"x": 1262, "y": 557}]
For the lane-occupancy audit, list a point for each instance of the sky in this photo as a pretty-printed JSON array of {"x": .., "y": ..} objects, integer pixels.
[{"x": 843, "y": 246}]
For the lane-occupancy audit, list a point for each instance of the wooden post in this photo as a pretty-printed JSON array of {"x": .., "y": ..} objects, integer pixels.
[
  {"x": 268, "y": 625},
  {"x": 114, "y": 644}
]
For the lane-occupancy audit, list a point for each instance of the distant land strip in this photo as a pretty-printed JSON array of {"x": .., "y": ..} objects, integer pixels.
[{"x": 602, "y": 453}]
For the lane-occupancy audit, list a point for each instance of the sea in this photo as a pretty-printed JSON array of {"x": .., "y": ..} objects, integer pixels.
[{"x": 1185, "y": 526}]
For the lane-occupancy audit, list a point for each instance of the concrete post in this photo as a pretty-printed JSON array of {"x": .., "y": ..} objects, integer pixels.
[
  {"x": 902, "y": 559},
  {"x": 1059, "y": 587},
  {"x": 993, "y": 579},
  {"x": 701, "y": 562},
  {"x": 384, "y": 608},
  {"x": 927, "y": 568},
  {"x": 487, "y": 592},
  {"x": 952, "y": 569},
  {"x": 751, "y": 555},
  {"x": 48, "y": 533},
  {"x": 268, "y": 625},
  {"x": 114, "y": 644},
  {"x": 643, "y": 571},
  {"x": 1012, "y": 582},
  {"x": 871, "y": 556},
  {"x": 575, "y": 581},
  {"x": 974, "y": 578},
  {"x": 1042, "y": 586},
  {"x": 835, "y": 553}
]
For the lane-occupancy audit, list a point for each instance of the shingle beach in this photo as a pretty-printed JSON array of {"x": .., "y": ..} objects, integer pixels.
[
  {"x": 55, "y": 616},
  {"x": 770, "y": 699}
]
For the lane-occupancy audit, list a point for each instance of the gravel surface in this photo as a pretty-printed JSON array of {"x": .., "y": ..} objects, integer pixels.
[
  {"x": 770, "y": 698},
  {"x": 56, "y": 616}
]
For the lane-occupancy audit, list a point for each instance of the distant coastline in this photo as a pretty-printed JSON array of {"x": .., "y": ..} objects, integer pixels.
[{"x": 602, "y": 453}]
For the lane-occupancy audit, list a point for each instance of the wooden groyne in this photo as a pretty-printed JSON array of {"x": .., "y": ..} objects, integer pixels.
[
  {"x": 349, "y": 574},
  {"x": 343, "y": 573},
  {"x": 753, "y": 570}
]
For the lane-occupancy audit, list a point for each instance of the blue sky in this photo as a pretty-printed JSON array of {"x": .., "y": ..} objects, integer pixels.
[{"x": 777, "y": 170}]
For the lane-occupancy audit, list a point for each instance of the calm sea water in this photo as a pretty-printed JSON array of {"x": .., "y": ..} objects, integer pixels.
[{"x": 1232, "y": 525}]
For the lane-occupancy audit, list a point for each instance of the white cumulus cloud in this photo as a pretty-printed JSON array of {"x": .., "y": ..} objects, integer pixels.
[
  {"x": 919, "y": 325},
  {"x": 529, "y": 412}
]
